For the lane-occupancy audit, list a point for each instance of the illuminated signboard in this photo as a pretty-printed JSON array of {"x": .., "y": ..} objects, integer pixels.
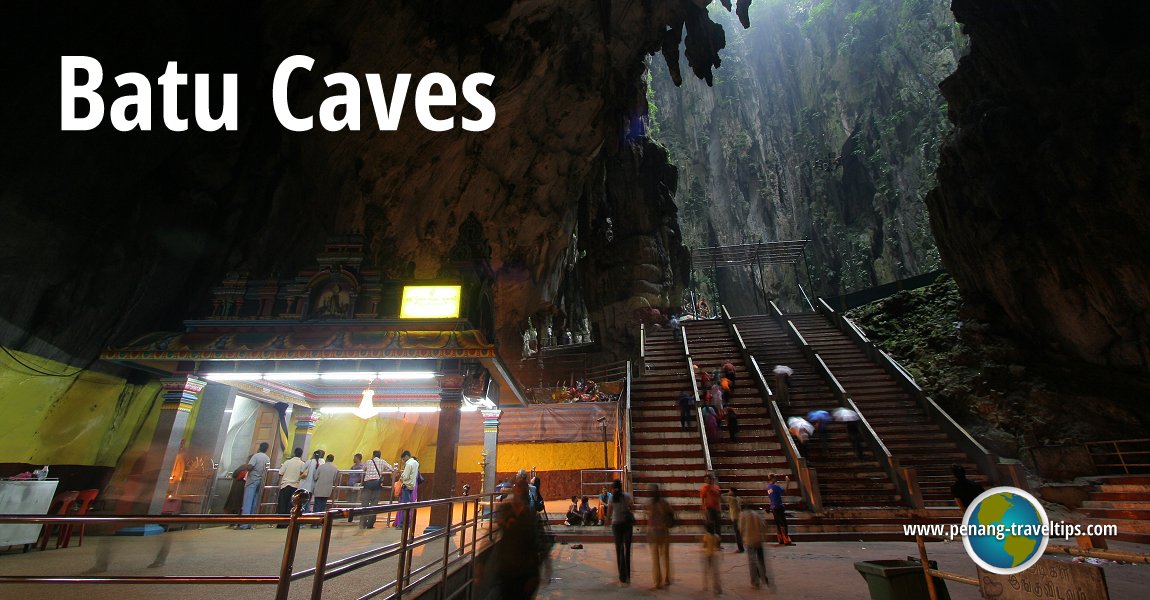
[{"x": 430, "y": 302}]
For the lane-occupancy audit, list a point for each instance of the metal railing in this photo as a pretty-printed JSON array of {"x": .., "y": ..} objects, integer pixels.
[
  {"x": 615, "y": 371},
  {"x": 805, "y": 474},
  {"x": 1003, "y": 472},
  {"x": 466, "y": 531},
  {"x": 642, "y": 348},
  {"x": 1127, "y": 456},
  {"x": 698, "y": 404},
  {"x": 598, "y": 480},
  {"x": 904, "y": 479},
  {"x": 623, "y": 431}
]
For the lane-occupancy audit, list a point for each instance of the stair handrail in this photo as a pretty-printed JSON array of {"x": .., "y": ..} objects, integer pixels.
[
  {"x": 623, "y": 449},
  {"x": 776, "y": 312},
  {"x": 698, "y": 407},
  {"x": 643, "y": 347},
  {"x": 805, "y": 475},
  {"x": 806, "y": 297},
  {"x": 1003, "y": 472},
  {"x": 904, "y": 478}
]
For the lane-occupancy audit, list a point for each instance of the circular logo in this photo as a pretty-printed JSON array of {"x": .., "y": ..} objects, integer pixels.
[{"x": 1006, "y": 530}]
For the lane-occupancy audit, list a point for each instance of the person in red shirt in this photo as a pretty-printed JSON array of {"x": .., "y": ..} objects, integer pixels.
[{"x": 712, "y": 502}]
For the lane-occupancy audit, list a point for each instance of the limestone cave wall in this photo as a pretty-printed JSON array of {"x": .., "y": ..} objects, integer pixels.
[
  {"x": 108, "y": 235},
  {"x": 1040, "y": 211},
  {"x": 823, "y": 124}
]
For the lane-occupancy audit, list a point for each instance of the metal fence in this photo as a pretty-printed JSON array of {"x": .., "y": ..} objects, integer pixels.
[
  {"x": 1126, "y": 457},
  {"x": 471, "y": 533}
]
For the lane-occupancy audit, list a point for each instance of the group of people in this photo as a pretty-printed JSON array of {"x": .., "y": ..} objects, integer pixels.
[
  {"x": 580, "y": 512},
  {"x": 317, "y": 476},
  {"x": 750, "y": 529},
  {"x": 817, "y": 424},
  {"x": 749, "y": 525},
  {"x": 716, "y": 389}
]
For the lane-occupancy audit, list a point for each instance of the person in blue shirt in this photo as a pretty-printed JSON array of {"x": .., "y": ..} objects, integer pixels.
[{"x": 778, "y": 509}]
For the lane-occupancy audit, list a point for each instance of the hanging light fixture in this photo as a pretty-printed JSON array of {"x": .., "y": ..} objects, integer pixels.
[{"x": 366, "y": 410}]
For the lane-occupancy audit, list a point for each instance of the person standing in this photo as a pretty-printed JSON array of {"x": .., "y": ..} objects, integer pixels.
[
  {"x": 234, "y": 505},
  {"x": 964, "y": 490},
  {"x": 307, "y": 480},
  {"x": 734, "y": 508},
  {"x": 323, "y": 482},
  {"x": 686, "y": 409},
  {"x": 783, "y": 383},
  {"x": 408, "y": 480},
  {"x": 516, "y": 558},
  {"x": 660, "y": 520},
  {"x": 853, "y": 424},
  {"x": 290, "y": 473},
  {"x": 753, "y": 526},
  {"x": 354, "y": 478},
  {"x": 711, "y": 559},
  {"x": 373, "y": 471},
  {"x": 254, "y": 484},
  {"x": 778, "y": 510},
  {"x": 732, "y": 424},
  {"x": 620, "y": 512},
  {"x": 711, "y": 504}
]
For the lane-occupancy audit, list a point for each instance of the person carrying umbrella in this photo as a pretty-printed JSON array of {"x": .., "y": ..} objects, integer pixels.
[{"x": 853, "y": 422}]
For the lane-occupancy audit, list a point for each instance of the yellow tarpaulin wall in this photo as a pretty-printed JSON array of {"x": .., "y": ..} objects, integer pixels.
[
  {"x": 344, "y": 435},
  {"x": 87, "y": 418},
  {"x": 568, "y": 456}
]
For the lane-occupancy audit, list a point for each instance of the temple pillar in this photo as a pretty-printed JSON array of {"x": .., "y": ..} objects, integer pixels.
[
  {"x": 305, "y": 419},
  {"x": 490, "y": 448},
  {"x": 180, "y": 395},
  {"x": 211, "y": 431},
  {"x": 446, "y": 446}
]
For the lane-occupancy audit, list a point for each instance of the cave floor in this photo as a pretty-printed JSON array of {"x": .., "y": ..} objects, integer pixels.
[{"x": 808, "y": 570}]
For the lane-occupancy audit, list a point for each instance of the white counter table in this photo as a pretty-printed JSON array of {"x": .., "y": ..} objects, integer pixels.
[{"x": 28, "y": 497}]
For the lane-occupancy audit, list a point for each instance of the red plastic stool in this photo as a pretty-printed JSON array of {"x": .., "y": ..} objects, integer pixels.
[
  {"x": 85, "y": 498},
  {"x": 62, "y": 505}
]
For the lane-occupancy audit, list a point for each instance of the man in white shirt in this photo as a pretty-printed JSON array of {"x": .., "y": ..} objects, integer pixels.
[
  {"x": 254, "y": 484},
  {"x": 290, "y": 473},
  {"x": 409, "y": 479}
]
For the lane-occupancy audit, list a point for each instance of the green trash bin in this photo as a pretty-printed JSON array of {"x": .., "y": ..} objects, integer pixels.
[{"x": 899, "y": 580}]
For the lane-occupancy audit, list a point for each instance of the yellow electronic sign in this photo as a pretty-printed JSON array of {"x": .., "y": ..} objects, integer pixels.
[{"x": 430, "y": 302}]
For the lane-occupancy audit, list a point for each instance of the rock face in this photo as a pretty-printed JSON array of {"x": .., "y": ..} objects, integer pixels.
[
  {"x": 108, "y": 235},
  {"x": 1040, "y": 212},
  {"x": 823, "y": 124}
]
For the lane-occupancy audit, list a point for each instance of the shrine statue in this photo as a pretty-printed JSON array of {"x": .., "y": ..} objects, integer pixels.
[{"x": 332, "y": 301}]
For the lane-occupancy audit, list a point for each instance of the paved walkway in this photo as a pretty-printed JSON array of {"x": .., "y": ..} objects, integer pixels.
[{"x": 810, "y": 570}]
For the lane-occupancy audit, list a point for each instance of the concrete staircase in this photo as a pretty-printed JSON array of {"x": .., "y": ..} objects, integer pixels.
[
  {"x": 743, "y": 464},
  {"x": 896, "y": 417},
  {"x": 1122, "y": 500},
  {"x": 662, "y": 451},
  {"x": 844, "y": 480}
]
